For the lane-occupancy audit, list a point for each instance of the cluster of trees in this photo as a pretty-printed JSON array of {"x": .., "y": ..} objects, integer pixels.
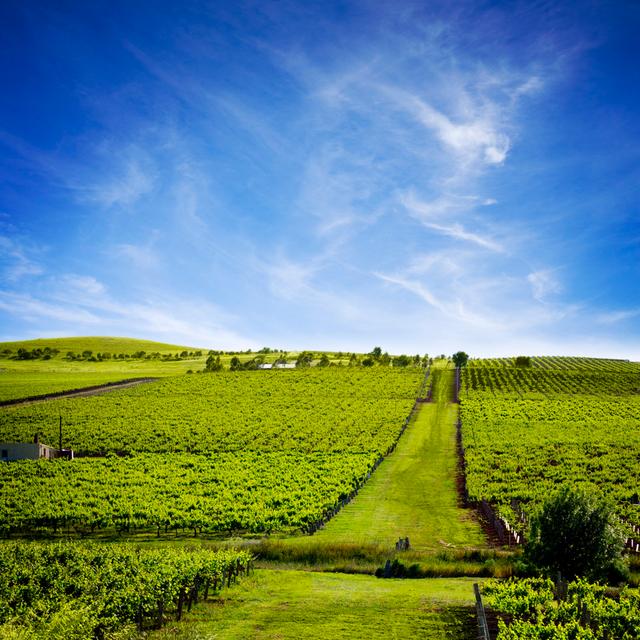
[
  {"x": 377, "y": 357},
  {"x": 88, "y": 355},
  {"x": 309, "y": 358},
  {"x": 214, "y": 363},
  {"x": 460, "y": 359},
  {"x": 263, "y": 351},
  {"x": 31, "y": 354}
]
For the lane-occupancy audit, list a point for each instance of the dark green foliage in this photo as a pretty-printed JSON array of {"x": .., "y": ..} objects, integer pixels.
[
  {"x": 304, "y": 359},
  {"x": 460, "y": 359},
  {"x": 397, "y": 569},
  {"x": 34, "y": 354},
  {"x": 81, "y": 591},
  {"x": 523, "y": 361},
  {"x": 213, "y": 364},
  {"x": 324, "y": 361},
  {"x": 575, "y": 534}
]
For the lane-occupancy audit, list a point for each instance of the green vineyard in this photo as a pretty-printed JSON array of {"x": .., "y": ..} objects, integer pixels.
[
  {"x": 229, "y": 452},
  {"x": 71, "y": 590},
  {"x": 537, "y": 611},
  {"x": 527, "y": 431}
]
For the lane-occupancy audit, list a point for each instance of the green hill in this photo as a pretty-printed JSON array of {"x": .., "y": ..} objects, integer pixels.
[{"x": 97, "y": 344}]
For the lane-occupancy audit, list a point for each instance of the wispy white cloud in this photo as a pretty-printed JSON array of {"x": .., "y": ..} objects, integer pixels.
[
  {"x": 544, "y": 283},
  {"x": 142, "y": 256},
  {"x": 15, "y": 261},
  {"x": 288, "y": 279},
  {"x": 77, "y": 303},
  {"x": 613, "y": 317},
  {"x": 414, "y": 287},
  {"x": 122, "y": 187},
  {"x": 110, "y": 173},
  {"x": 33, "y": 310},
  {"x": 436, "y": 215},
  {"x": 473, "y": 140},
  {"x": 74, "y": 285}
]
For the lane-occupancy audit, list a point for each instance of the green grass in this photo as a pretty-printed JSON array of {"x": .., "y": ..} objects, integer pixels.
[
  {"x": 27, "y": 378},
  {"x": 296, "y": 605},
  {"x": 96, "y": 344},
  {"x": 413, "y": 492}
]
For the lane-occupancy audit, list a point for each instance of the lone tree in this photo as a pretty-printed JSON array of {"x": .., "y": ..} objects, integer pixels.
[
  {"x": 305, "y": 358},
  {"x": 213, "y": 364},
  {"x": 523, "y": 361},
  {"x": 376, "y": 352},
  {"x": 576, "y": 534},
  {"x": 460, "y": 359}
]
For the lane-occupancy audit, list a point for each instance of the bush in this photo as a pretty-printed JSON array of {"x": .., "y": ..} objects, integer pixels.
[{"x": 576, "y": 534}]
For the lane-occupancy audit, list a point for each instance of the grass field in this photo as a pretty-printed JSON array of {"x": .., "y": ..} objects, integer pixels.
[
  {"x": 298, "y": 605},
  {"x": 413, "y": 492},
  {"x": 28, "y": 378},
  {"x": 96, "y": 344}
]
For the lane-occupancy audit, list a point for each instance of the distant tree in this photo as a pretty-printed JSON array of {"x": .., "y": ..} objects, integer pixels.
[
  {"x": 252, "y": 364},
  {"x": 385, "y": 359},
  {"x": 368, "y": 362},
  {"x": 213, "y": 364},
  {"x": 376, "y": 352},
  {"x": 304, "y": 359},
  {"x": 416, "y": 360},
  {"x": 460, "y": 359},
  {"x": 324, "y": 360},
  {"x": 402, "y": 361},
  {"x": 353, "y": 360},
  {"x": 235, "y": 364},
  {"x": 576, "y": 534},
  {"x": 523, "y": 361}
]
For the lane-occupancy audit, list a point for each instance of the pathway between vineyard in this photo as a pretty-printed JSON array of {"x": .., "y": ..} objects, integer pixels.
[{"x": 413, "y": 493}]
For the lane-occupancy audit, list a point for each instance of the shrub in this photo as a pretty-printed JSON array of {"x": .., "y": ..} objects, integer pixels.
[{"x": 575, "y": 534}]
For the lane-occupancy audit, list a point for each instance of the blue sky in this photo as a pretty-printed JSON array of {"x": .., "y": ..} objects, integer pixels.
[{"x": 422, "y": 176}]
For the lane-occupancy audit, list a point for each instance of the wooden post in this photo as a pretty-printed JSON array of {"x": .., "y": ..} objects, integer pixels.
[{"x": 483, "y": 626}]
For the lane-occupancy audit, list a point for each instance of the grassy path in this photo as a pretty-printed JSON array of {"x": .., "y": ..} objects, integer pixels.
[
  {"x": 299, "y": 605},
  {"x": 413, "y": 492}
]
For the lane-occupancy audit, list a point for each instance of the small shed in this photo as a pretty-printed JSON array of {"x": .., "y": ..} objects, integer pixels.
[{"x": 12, "y": 451}]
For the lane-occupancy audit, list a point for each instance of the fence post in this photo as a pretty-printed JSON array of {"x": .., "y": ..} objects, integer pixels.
[{"x": 483, "y": 626}]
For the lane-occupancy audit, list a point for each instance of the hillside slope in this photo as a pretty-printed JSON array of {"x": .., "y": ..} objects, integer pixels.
[{"x": 96, "y": 344}]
